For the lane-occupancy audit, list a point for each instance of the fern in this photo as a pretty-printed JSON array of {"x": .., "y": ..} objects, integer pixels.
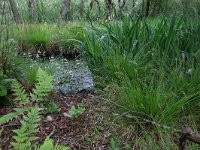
[
  {"x": 24, "y": 138},
  {"x": 19, "y": 92},
  {"x": 48, "y": 145},
  {"x": 43, "y": 86},
  {"x": 10, "y": 116},
  {"x": 75, "y": 112},
  {"x": 29, "y": 126}
]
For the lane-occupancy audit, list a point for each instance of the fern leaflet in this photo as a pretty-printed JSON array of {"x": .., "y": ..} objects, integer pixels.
[
  {"x": 29, "y": 126},
  {"x": 48, "y": 145},
  {"x": 10, "y": 116},
  {"x": 43, "y": 86},
  {"x": 19, "y": 92}
]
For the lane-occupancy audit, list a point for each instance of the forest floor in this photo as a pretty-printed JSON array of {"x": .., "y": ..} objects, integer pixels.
[{"x": 93, "y": 130}]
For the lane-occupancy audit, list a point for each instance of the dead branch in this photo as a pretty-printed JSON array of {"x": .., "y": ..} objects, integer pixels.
[{"x": 188, "y": 134}]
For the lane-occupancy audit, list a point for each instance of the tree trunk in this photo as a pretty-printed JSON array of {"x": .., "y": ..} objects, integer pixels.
[
  {"x": 147, "y": 8},
  {"x": 108, "y": 9},
  {"x": 31, "y": 6},
  {"x": 92, "y": 3},
  {"x": 142, "y": 12},
  {"x": 121, "y": 7},
  {"x": 66, "y": 10},
  {"x": 81, "y": 8},
  {"x": 13, "y": 5},
  {"x": 133, "y": 4}
]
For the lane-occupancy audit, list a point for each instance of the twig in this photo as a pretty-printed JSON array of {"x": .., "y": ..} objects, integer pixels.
[
  {"x": 188, "y": 134},
  {"x": 102, "y": 98},
  {"x": 52, "y": 132},
  {"x": 118, "y": 117},
  {"x": 140, "y": 113},
  {"x": 9, "y": 125}
]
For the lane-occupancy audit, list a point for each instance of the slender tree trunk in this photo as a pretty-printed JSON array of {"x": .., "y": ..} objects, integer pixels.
[
  {"x": 92, "y": 4},
  {"x": 147, "y": 8},
  {"x": 31, "y": 6},
  {"x": 133, "y": 4},
  {"x": 142, "y": 12},
  {"x": 81, "y": 12},
  {"x": 16, "y": 15},
  {"x": 121, "y": 7},
  {"x": 108, "y": 9},
  {"x": 66, "y": 10}
]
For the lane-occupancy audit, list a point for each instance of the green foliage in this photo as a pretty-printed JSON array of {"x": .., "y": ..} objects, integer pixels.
[
  {"x": 48, "y": 145},
  {"x": 24, "y": 137},
  {"x": 19, "y": 92},
  {"x": 3, "y": 85},
  {"x": 113, "y": 145},
  {"x": 6, "y": 118},
  {"x": 43, "y": 80},
  {"x": 43, "y": 86},
  {"x": 150, "y": 61},
  {"x": 3, "y": 88},
  {"x": 51, "y": 39},
  {"x": 52, "y": 108},
  {"x": 76, "y": 112}
]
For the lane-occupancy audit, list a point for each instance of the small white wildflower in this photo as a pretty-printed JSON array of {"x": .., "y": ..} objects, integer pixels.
[
  {"x": 70, "y": 72},
  {"x": 29, "y": 54},
  {"x": 37, "y": 56},
  {"x": 189, "y": 71},
  {"x": 183, "y": 55},
  {"x": 44, "y": 53}
]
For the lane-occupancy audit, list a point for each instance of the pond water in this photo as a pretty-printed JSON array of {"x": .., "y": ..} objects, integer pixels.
[{"x": 71, "y": 76}]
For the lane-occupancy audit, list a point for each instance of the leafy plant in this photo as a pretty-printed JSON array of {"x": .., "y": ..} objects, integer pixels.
[
  {"x": 52, "y": 108},
  {"x": 48, "y": 145},
  {"x": 20, "y": 93},
  {"x": 113, "y": 145},
  {"x": 22, "y": 98},
  {"x": 43, "y": 86},
  {"x": 17, "y": 111},
  {"x": 3, "y": 85},
  {"x": 24, "y": 137},
  {"x": 76, "y": 112}
]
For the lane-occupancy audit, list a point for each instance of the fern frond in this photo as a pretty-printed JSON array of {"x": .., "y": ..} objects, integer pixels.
[
  {"x": 43, "y": 87},
  {"x": 48, "y": 145},
  {"x": 10, "y": 116},
  {"x": 29, "y": 126},
  {"x": 19, "y": 92},
  {"x": 21, "y": 146}
]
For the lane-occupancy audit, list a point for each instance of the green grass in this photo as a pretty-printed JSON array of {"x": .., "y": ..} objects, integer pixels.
[
  {"x": 49, "y": 38},
  {"x": 146, "y": 61}
]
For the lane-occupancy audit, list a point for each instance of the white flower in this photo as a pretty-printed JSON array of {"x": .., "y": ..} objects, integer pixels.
[
  {"x": 37, "y": 56},
  {"x": 183, "y": 55},
  {"x": 189, "y": 71}
]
